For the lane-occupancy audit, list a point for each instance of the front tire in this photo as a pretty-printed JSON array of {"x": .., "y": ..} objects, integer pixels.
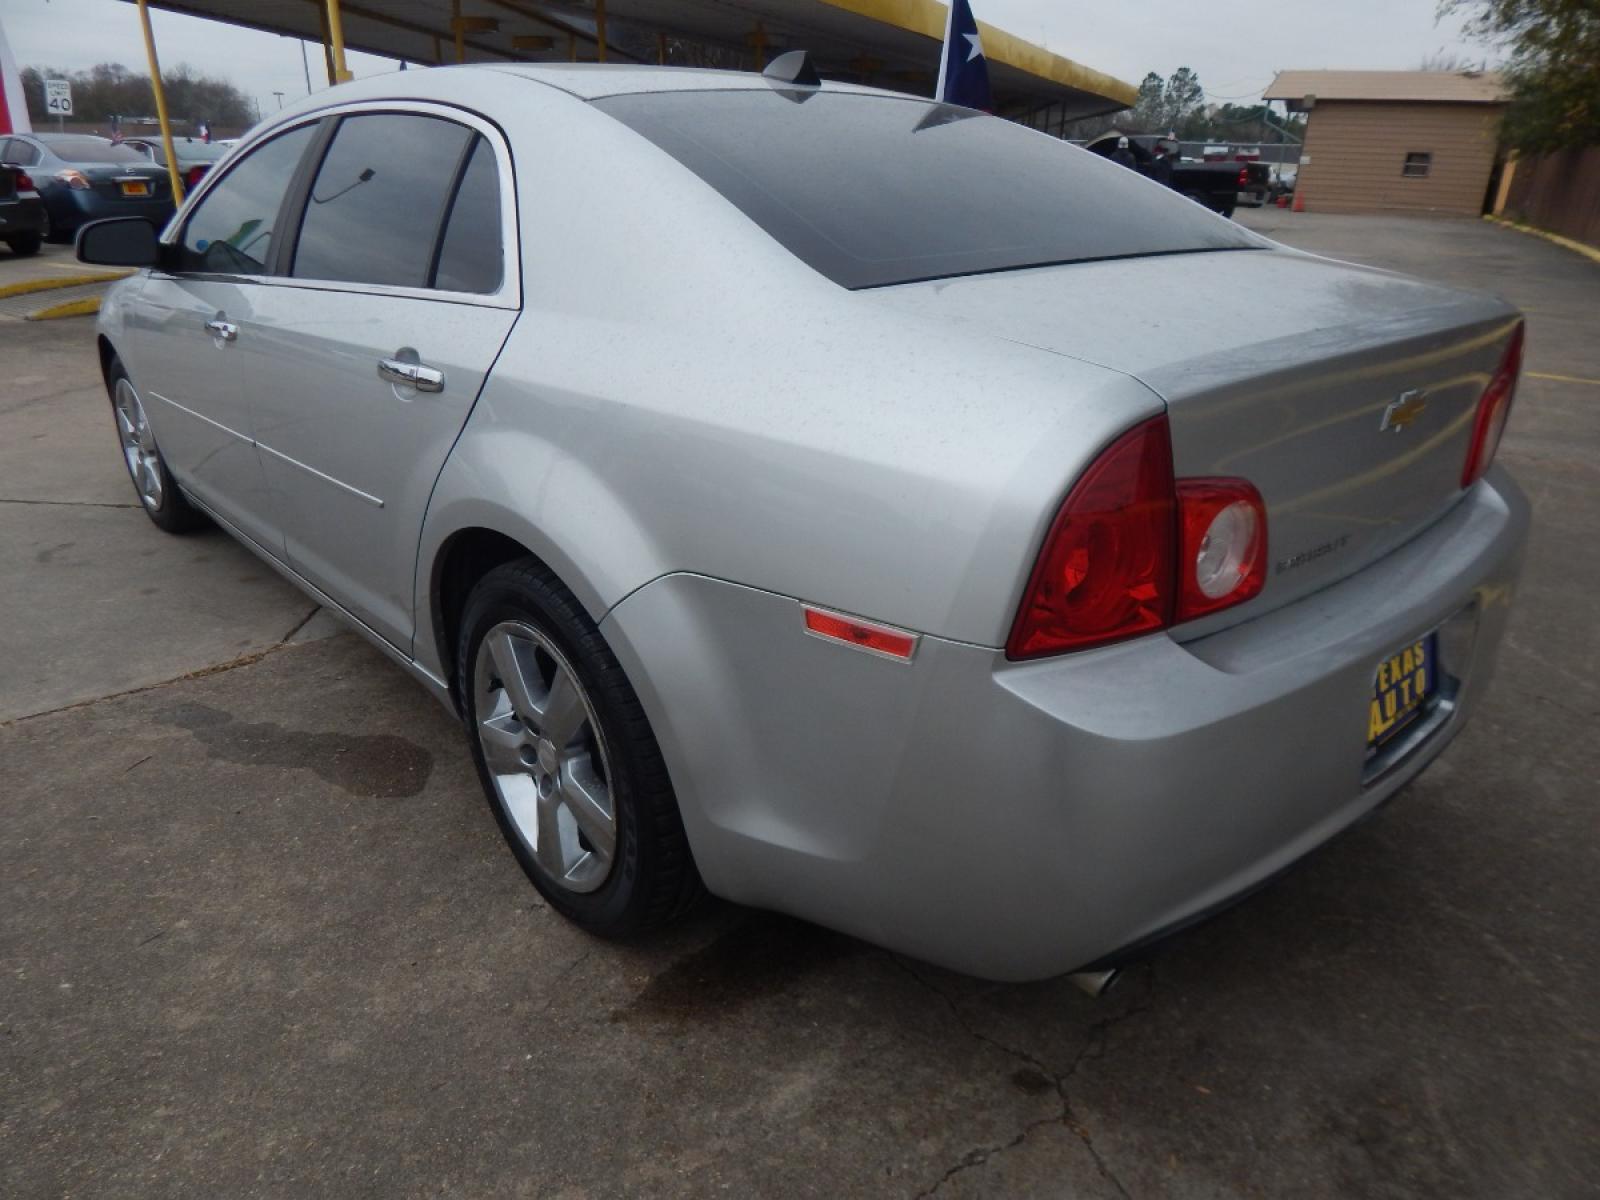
[
  {"x": 24, "y": 244},
  {"x": 159, "y": 494},
  {"x": 567, "y": 758}
]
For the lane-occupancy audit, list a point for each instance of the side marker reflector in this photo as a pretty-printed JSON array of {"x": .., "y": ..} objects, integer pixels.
[{"x": 863, "y": 635}]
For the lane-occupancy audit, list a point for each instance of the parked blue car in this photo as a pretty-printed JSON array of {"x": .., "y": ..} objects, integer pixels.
[{"x": 84, "y": 178}]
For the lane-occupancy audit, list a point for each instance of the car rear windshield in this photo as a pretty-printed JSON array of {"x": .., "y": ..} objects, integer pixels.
[
  {"x": 92, "y": 150},
  {"x": 878, "y": 190}
]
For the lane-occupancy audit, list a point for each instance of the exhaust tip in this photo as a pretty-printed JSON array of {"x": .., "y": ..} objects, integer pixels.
[{"x": 1095, "y": 983}]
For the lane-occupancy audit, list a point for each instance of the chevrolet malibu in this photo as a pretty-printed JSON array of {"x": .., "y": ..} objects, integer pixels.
[{"x": 844, "y": 503}]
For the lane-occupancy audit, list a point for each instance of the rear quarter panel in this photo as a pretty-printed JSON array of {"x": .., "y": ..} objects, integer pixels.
[{"x": 683, "y": 395}]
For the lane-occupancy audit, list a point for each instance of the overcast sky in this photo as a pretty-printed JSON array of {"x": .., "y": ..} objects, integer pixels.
[{"x": 1235, "y": 45}]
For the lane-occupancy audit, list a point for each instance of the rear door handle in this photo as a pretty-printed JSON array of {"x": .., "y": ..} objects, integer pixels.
[
  {"x": 226, "y": 330},
  {"x": 412, "y": 374}
]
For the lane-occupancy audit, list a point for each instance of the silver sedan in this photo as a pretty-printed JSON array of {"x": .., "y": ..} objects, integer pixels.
[{"x": 843, "y": 503}]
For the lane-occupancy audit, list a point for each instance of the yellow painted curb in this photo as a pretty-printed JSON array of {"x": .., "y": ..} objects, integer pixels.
[
  {"x": 1592, "y": 253},
  {"x": 25, "y": 286},
  {"x": 1562, "y": 378},
  {"x": 67, "y": 308}
]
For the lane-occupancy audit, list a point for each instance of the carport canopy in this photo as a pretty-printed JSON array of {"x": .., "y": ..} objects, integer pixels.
[{"x": 885, "y": 43}]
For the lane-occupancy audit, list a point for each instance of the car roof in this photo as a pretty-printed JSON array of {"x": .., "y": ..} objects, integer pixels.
[{"x": 594, "y": 81}]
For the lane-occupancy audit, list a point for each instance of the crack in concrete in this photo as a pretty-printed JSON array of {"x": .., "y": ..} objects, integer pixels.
[
  {"x": 301, "y": 623},
  {"x": 244, "y": 660},
  {"x": 1096, "y": 1036},
  {"x": 981, "y": 1155},
  {"x": 68, "y": 503}
]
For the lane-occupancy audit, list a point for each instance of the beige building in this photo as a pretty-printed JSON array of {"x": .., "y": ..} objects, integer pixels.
[{"x": 1388, "y": 141}]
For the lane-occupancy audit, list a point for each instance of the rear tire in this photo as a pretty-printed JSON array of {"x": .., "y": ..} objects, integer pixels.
[
  {"x": 51, "y": 233},
  {"x": 24, "y": 244},
  {"x": 159, "y": 495},
  {"x": 567, "y": 759}
]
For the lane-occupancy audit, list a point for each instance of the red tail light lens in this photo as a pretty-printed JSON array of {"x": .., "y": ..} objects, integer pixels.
[
  {"x": 1494, "y": 406},
  {"x": 25, "y": 182},
  {"x": 74, "y": 179},
  {"x": 1222, "y": 545},
  {"x": 1244, "y": 176},
  {"x": 1105, "y": 572},
  {"x": 194, "y": 176}
]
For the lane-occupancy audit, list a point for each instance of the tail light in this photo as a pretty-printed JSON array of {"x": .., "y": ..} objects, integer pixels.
[
  {"x": 195, "y": 175},
  {"x": 25, "y": 182},
  {"x": 1222, "y": 545},
  {"x": 1494, "y": 406},
  {"x": 1244, "y": 176},
  {"x": 74, "y": 179},
  {"x": 1134, "y": 550},
  {"x": 1105, "y": 572}
]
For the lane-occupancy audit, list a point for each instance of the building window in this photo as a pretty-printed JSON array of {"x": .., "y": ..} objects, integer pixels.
[{"x": 1417, "y": 164}]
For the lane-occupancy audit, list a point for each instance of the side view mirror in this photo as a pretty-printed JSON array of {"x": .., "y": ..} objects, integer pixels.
[{"x": 119, "y": 242}]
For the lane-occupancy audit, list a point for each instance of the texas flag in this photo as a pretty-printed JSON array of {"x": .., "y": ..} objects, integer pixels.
[
  {"x": 963, "y": 71},
  {"x": 13, "y": 106}
]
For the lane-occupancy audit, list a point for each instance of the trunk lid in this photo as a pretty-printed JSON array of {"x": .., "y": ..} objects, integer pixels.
[
  {"x": 1278, "y": 367},
  {"x": 107, "y": 180}
]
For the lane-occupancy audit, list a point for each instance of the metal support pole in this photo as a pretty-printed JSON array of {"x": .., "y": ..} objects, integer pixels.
[
  {"x": 600, "y": 30},
  {"x": 327, "y": 44},
  {"x": 336, "y": 39},
  {"x": 161, "y": 104},
  {"x": 661, "y": 49},
  {"x": 460, "y": 31}
]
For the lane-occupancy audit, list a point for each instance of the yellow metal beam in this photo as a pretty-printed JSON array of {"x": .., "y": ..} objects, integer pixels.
[
  {"x": 600, "y": 30},
  {"x": 461, "y": 34},
  {"x": 336, "y": 40},
  {"x": 327, "y": 42},
  {"x": 532, "y": 41},
  {"x": 927, "y": 17},
  {"x": 161, "y": 104}
]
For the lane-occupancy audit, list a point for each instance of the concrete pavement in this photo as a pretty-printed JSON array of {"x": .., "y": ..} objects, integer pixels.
[{"x": 258, "y": 935}]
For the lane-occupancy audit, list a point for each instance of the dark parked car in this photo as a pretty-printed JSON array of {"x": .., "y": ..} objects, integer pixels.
[
  {"x": 195, "y": 157},
  {"x": 1218, "y": 185},
  {"x": 21, "y": 211},
  {"x": 83, "y": 178}
]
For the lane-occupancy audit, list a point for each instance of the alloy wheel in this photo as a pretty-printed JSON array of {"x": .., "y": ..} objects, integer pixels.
[
  {"x": 546, "y": 756},
  {"x": 138, "y": 445}
]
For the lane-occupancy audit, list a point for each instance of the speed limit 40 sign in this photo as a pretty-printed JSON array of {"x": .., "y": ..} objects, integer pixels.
[{"x": 58, "y": 97}]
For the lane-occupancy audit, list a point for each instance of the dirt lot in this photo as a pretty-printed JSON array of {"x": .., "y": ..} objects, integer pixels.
[{"x": 258, "y": 934}]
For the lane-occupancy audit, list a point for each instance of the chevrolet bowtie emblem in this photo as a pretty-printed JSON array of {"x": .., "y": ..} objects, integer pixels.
[{"x": 1403, "y": 410}]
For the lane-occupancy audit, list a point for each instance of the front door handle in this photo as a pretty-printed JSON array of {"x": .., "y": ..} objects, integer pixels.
[
  {"x": 412, "y": 374},
  {"x": 226, "y": 330}
]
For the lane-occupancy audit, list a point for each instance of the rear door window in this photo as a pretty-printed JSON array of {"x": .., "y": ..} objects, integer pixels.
[
  {"x": 470, "y": 252},
  {"x": 231, "y": 230},
  {"x": 378, "y": 200},
  {"x": 22, "y": 153},
  {"x": 873, "y": 190}
]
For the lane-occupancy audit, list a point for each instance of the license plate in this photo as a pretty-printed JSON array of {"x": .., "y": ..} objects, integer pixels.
[
  {"x": 135, "y": 187},
  {"x": 1401, "y": 689}
]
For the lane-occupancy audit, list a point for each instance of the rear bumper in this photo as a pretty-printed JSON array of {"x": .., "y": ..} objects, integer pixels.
[
  {"x": 21, "y": 215},
  {"x": 74, "y": 207},
  {"x": 1017, "y": 821}
]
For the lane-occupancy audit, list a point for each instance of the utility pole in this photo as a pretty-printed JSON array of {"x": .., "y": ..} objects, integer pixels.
[
  {"x": 279, "y": 95},
  {"x": 305, "y": 64}
]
